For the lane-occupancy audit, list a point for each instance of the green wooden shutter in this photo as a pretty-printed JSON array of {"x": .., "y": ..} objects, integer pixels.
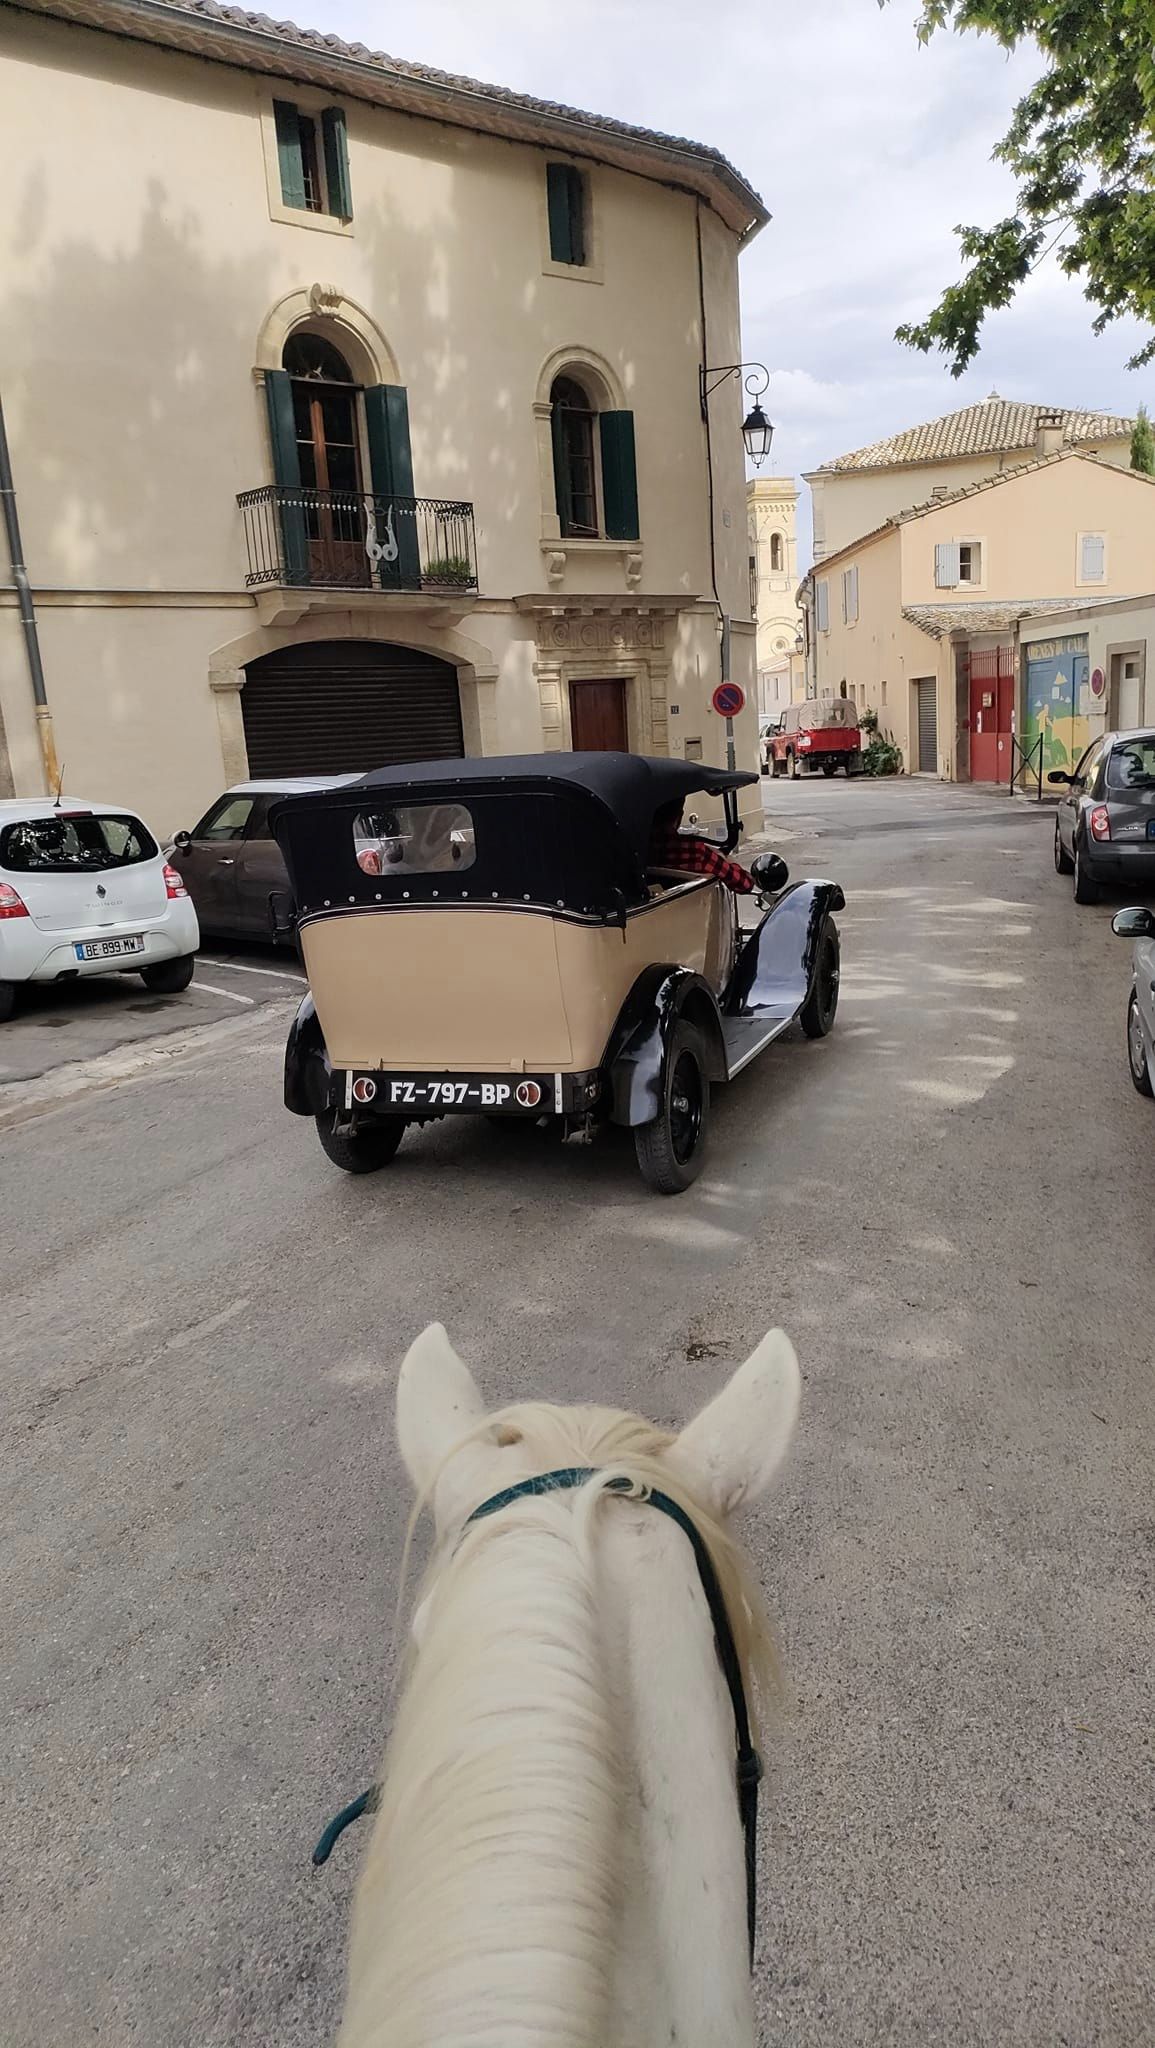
[
  {"x": 287, "y": 471},
  {"x": 558, "y": 193},
  {"x": 560, "y": 471},
  {"x": 340, "y": 191},
  {"x": 289, "y": 153},
  {"x": 391, "y": 463},
  {"x": 619, "y": 475}
]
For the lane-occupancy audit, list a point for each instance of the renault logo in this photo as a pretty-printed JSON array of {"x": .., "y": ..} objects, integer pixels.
[{"x": 101, "y": 890}]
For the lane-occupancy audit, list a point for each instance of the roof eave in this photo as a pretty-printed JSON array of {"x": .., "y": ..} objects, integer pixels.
[{"x": 463, "y": 103}]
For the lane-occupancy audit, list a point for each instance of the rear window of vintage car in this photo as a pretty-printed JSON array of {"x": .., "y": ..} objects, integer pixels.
[
  {"x": 81, "y": 842},
  {"x": 414, "y": 839},
  {"x": 1132, "y": 766}
]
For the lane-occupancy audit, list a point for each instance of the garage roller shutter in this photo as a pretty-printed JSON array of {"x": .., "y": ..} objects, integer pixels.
[{"x": 333, "y": 707}]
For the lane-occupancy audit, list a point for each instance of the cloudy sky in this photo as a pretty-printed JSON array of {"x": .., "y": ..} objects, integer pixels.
[{"x": 867, "y": 149}]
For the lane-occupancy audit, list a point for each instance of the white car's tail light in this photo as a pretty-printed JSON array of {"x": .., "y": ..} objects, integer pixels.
[
  {"x": 11, "y": 904},
  {"x": 173, "y": 882},
  {"x": 1100, "y": 822}
]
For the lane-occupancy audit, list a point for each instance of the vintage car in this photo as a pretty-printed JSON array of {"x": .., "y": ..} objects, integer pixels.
[
  {"x": 488, "y": 937},
  {"x": 820, "y": 733}
]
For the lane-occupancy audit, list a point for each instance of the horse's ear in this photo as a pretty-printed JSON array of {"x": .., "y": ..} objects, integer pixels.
[
  {"x": 729, "y": 1453},
  {"x": 437, "y": 1404}
]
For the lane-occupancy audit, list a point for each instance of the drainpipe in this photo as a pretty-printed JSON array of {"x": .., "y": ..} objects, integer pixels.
[{"x": 44, "y": 732}]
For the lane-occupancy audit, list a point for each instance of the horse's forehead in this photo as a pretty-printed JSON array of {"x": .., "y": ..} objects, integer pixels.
[{"x": 542, "y": 1424}]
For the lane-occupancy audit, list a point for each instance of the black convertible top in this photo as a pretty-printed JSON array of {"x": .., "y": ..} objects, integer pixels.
[
  {"x": 631, "y": 786},
  {"x": 568, "y": 829}
]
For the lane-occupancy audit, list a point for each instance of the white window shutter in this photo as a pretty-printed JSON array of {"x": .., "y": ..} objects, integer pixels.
[
  {"x": 853, "y": 573},
  {"x": 946, "y": 565},
  {"x": 1093, "y": 565},
  {"x": 822, "y": 605}
]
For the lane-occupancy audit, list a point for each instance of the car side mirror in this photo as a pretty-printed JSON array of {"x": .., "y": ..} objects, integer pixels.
[
  {"x": 182, "y": 841},
  {"x": 770, "y": 873},
  {"x": 1059, "y": 775},
  {"x": 1134, "y": 923}
]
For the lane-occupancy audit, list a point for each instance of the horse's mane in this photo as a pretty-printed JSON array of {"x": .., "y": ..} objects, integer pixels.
[{"x": 486, "y": 1907}]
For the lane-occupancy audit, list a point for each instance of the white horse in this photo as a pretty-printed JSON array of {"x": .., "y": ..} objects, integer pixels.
[{"x": 557, "y": 1860}]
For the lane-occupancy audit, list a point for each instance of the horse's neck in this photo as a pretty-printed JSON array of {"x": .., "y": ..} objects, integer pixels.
[
  {"x": 484, "y": 1913},
  {"x": 681, "y": 1967},
  {"x": 557, "y": 1861}
]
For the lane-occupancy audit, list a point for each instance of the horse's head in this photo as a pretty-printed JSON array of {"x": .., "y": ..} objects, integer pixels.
[{"x": 458, "y": 1454}]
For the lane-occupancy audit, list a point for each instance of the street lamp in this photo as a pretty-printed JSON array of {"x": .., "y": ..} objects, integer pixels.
[{"x": 757, "y": 431}]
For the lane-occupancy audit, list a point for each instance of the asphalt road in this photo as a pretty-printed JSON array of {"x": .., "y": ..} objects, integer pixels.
[{"x": 947, "y": 1204}]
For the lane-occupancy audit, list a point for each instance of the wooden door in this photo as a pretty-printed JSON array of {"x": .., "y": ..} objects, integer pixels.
[
  {"x": 598, "y": 716},
  {"x": 326, "y": 419}
]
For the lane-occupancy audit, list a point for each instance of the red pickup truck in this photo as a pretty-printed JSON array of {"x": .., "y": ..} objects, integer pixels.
[{"x": 821, "y": 733}]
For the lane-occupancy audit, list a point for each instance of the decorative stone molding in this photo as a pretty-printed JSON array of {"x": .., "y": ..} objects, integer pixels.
[
  {"x": 555, "y": 566},
  {"x": 607, "y": 633},
  {"x": 355, "y": 332},
  {"x": 633, "y": 570}
]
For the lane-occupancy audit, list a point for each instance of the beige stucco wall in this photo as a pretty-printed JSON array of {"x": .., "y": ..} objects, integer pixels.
[
  {"x": 879, "y": 655},
  {"x": 1030, "y": 532},
  {"x": 847, "y": 505},
  {"x": 147, "y": 278}
]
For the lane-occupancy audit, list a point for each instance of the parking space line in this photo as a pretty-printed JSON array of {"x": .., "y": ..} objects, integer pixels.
[
  {"x": 276, "y": 973},
  {"x": 250, "y": 1002}
]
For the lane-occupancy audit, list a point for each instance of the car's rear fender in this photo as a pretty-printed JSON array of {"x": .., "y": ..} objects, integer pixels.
[
  {"x": 308, "y": 1074},
  {"x": 636, "y": 1054},
  {"x": 775, "y": 970}
]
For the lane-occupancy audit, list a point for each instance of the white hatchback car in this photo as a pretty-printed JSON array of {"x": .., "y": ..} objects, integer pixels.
[{"x": 85, "y": 889}]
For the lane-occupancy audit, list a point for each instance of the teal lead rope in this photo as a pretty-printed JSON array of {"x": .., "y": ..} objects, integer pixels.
[
  {"x": 748, "y": 1764},
  {"x": 367, "y": 1803}
]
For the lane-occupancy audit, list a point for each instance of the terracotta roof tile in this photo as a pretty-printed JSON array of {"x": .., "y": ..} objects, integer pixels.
[
  {"x": 940, "y": 619},
  {"x": 998, "y": 425}
]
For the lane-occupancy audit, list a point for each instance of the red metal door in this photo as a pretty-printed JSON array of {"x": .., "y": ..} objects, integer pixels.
[{"x": 992, "y": 700}]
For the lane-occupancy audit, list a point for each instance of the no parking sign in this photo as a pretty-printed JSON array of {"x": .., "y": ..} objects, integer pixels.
[{"x": 729, "y": 699}]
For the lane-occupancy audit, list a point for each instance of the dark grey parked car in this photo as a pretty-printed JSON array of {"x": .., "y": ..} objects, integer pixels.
[
  {"x": 232, "y": 866},
  {"x": 1105, "y": 824}
]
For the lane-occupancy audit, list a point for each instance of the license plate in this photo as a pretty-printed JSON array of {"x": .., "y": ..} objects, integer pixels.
[
  {"x": 409, "y": 1094},
  {"x": 107, "y": 949}
]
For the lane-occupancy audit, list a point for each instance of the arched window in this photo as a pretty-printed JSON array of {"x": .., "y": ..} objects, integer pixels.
[
  {"x": 575, "y": 468},
  {"x": 776, "y": 557},
  {"x": 343, "y": 495}
]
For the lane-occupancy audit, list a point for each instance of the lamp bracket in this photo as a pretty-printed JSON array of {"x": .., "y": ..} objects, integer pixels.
[{"x": 755, "y": 376}]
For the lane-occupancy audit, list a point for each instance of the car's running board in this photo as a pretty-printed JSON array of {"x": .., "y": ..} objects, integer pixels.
[{"x": 746, "y": 1037}]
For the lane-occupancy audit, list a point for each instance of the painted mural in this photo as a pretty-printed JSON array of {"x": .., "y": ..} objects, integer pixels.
[{"x": 1058, "y": 703}]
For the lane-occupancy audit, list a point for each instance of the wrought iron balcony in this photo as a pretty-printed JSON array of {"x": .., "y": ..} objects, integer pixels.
[{"x": 357, "y": 540}]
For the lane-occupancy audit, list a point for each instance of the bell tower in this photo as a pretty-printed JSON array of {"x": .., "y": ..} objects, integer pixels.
[{"x": 771, "y": 516}]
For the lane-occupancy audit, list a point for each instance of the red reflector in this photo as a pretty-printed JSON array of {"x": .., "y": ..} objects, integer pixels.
[
  {"x": 74, "y": 814},
  {"x": 173, "y": 882},
  {"x": 1100, "y": 822},
  {"x": 10, "y": 902}
]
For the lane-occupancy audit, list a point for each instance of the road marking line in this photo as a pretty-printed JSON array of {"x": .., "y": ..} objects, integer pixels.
[
  {"x": 210, "y": 989},
  {"x": 277, "y": 973}
]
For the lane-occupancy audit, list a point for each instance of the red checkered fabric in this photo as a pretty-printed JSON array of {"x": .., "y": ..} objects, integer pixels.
[{"x": 697, "y": 857}]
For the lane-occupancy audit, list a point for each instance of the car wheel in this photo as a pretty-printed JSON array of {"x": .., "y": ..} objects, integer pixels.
[
  {"x": 168, "y": 977},
  {"x": 821, "y": 1006},
  {"x": 7, "y": 1000},
  {"x": 1064, "y": 865},
  {"x": 671, "y": 1149},
  {"x": 364, "y": 1150},
  {"x": 1086, "y": 888},
  {"x": 793, "y": 769},
  {"x": 830, "y": 767},
  {"x": 1137, "y": 1058}
]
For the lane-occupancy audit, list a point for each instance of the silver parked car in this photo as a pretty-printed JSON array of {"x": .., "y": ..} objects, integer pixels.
[
  {"x": 1139, "y": 924},
  {"x": 1105, "y": 824}
]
